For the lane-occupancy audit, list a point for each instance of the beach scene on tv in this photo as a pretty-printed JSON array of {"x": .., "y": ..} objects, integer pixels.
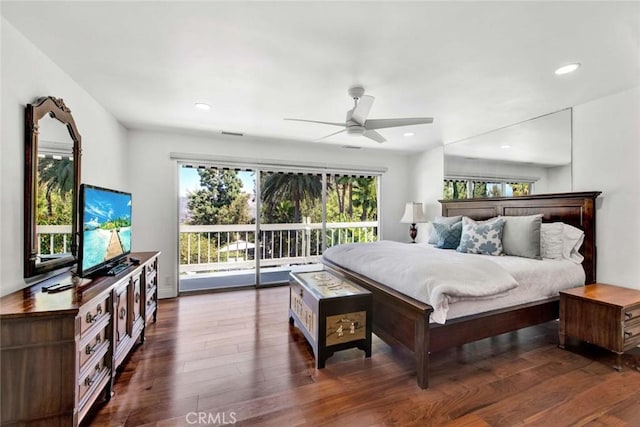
[{"x": 107, "y": 226}]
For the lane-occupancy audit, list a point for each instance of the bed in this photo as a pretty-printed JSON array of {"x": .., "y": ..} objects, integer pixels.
[{"x": 401, "y": 319}]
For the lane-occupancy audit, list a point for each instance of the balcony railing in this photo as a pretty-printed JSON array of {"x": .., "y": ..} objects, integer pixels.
[
  {"x": 205, "y": 248},
  {"x": 233, "y": 247},
  {"x": 53, "y": 239}
]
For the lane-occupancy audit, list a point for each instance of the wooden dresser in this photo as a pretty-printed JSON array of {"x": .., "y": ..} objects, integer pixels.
[
  {"x": 605, "y": 315},
  {"x": 59, "y": 351}
]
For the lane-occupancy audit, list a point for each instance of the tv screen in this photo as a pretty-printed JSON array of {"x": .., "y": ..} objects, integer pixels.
[{"x": 106, "y": 228}]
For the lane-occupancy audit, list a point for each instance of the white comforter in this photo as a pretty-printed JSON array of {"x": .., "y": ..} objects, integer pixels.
[{"x": 437, "y": 277}]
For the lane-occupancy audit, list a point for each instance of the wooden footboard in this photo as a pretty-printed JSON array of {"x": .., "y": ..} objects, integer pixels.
[{"x": 399, "y": 319}]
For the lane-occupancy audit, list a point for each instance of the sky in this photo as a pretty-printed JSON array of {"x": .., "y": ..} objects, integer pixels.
[{"x": 106, "y": 205}]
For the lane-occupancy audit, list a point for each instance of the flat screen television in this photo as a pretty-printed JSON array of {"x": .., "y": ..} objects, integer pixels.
[{"x": 106, "y": 229}]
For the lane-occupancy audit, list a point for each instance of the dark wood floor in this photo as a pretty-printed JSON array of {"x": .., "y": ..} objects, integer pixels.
[{"x": 233, "y": 357}]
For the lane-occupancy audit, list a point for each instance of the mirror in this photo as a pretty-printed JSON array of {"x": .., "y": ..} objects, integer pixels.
[
  {"x": 52, "y": 179},
  {"x": 530, "y": 157}
]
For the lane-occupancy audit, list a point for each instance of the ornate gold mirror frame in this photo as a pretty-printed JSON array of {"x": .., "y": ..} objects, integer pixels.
[{"x": 52, "y": 170}]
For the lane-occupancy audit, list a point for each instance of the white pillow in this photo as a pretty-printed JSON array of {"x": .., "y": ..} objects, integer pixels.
[
  {"x": 572, "y": 239},
  {"x": 561, "y": 241},
  {"x": 551, "y": 240}
]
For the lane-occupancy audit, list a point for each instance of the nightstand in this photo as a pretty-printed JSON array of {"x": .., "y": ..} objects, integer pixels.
[{"x": 605, "y": 315}]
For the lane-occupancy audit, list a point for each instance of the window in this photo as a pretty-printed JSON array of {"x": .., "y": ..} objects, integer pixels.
[{"x": 473, "y": 188}]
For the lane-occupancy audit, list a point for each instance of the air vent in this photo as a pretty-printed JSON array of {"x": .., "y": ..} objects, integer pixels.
[{"x": 232, "y": 133}]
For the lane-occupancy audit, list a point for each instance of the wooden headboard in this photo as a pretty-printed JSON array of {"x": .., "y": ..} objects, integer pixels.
[{"x": 577, "y": 209}]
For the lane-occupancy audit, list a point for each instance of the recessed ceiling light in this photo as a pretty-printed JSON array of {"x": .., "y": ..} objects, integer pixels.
[
  {"x": 408, "y": 134},
  {"x": 203, "y": 106},
  {"x": 505, "y": 147},
  {"x": 566, "y": 69}
]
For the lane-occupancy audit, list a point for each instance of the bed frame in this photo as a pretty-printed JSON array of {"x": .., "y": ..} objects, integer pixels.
[{"x": 399, "y": 319}]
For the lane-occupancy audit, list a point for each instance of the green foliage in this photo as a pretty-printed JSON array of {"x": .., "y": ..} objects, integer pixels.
[
  {"x": 454, "y": 190},
  {"x": 279, "y": 187},
  {"x": 479, "y": 189},
  {"x": 190, "y": 243},
  {"x": 220, "y": 201},
  {"x": 351, "y": 198},
  {"x": 521, "y": 188}
]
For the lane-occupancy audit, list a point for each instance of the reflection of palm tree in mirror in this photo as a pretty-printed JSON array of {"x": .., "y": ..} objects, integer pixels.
[
  {"x": 56, "y": 176},
  {"x": 295, "y": 187}
]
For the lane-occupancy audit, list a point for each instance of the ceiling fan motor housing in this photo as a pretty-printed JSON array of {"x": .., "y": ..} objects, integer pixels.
[
  {"x": 355, "y": 130},
  {"x": 356, "y": 92}
]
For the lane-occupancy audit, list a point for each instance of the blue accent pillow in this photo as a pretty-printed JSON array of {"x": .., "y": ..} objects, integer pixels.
[
  {"x": 448, "y": 236},
  {"x": 481, "y": 237}
]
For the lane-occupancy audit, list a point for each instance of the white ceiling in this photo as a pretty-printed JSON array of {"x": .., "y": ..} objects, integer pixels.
[{"x": 473, "y": 66}]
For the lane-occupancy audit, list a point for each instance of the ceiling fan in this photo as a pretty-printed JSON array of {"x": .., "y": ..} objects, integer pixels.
[{"x": 357, "y": 122}]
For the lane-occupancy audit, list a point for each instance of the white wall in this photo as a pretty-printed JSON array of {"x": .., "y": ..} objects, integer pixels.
[
  {"x": 154, "y": 183},
  {"x": 28, "y": 74},
  {"x": 558, "y": 180},
  {"x": 606, "y": 157},
  {"x": 428, "y": 172}
]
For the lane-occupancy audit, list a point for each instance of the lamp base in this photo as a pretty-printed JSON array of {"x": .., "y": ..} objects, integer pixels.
[{"x": 413, "y": 232}]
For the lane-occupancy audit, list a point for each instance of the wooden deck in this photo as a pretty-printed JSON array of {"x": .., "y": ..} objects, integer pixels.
[{"x": 234, "y": 356}]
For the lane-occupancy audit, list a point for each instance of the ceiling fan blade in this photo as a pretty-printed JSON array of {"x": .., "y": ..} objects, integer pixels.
[
  {"x": 316, "y": 121},
  {"x": 331, "y": 134},
  {"x": 361, "y": 112},
  {"x": 390, "y": 123},
  {"x": 372, "y": 134}
]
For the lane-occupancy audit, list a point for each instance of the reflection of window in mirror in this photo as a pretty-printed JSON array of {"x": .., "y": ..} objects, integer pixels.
[
  {"x": 54, "y": 204},
  {"x": 455, "y": 189},
  {"x": 529, "y": 157}
]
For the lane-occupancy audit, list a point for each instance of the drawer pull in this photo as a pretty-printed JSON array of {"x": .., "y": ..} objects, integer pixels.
[
  {"x": 628, "y": 316},
  {"x": 123, "y": 312},
  {"x": 91, "y": 349},
  {"x": 628, "y": 334},
  {"x": 89, "y": 381},
  {"x": 137, "y": 297},
  {"x": 93, "y": 319}
]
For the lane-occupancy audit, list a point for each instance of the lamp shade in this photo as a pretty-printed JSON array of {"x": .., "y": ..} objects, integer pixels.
[{"x": 413, "y": 213}]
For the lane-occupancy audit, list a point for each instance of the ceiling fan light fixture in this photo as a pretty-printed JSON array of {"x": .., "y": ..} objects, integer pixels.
[
  {"x": 569, "y": 68},
  {"x": 203, "y": 106}
]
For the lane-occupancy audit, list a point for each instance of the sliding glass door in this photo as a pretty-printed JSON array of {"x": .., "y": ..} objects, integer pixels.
[
  {"x": 291, "y": 223},
  {"x": 250, "y": 226},
  {"x": 217, "y": 228}
]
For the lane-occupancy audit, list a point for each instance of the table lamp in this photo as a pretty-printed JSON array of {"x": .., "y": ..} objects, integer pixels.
[{"x": 413, "y": 214}]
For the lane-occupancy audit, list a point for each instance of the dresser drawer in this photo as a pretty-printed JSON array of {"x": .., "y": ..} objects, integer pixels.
[
  {"x": 632, "y": 334},
  {"x": 631, "y": 314},
  {"x": 93, "y": 345},
  {"x": 93, "y": 314},
  {"x": 151, "y": 301},
  {"x": 92, "y": 380}
]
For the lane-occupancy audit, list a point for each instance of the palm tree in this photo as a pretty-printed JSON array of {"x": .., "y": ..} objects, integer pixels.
[
  {"x": 55, "y": 175},
  {"x": 295, "y": 187}
]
